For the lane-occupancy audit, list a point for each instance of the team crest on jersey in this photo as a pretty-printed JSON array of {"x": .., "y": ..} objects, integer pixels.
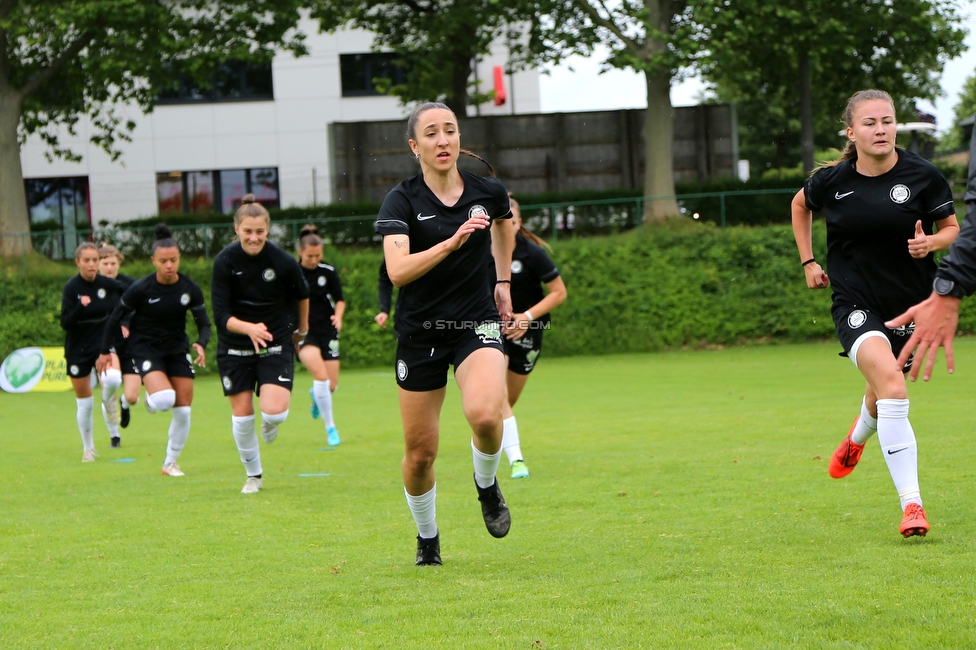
[
  {"x": 268, "y": 275},
  {"x": 146, "y": 365},
  {"x": 900, "y": 193},
  {"x": 227, "y": 382},
  {"x": 516, "y": 266},
  {"x": 477, "y": 210},
  {"x": 74, "y": 370},
  {"x": 401, "y": 370},
  {"x": 321, "y": 280},
  {"x": 101, "y": 293},
  {"x": 185, "y": 299},
  {"x": 856, "y": 319}
]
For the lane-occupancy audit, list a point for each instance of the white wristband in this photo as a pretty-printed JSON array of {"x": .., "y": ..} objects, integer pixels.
[{"x": 528, "y": 315}]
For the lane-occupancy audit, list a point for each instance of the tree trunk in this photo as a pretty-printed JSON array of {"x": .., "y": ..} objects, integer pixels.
[
  {"x": 14, "y": 225},
  {"x": 457, "y": 100},
  {"x": 806, "y": 114},
  {"x": 658, "y": 141}
]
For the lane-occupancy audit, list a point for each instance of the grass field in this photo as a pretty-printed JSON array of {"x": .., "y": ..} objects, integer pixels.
[{"x": 677, "y": 500}]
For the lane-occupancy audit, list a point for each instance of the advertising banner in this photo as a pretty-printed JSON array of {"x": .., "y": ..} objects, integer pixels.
[{"x": 35, "y": 369}]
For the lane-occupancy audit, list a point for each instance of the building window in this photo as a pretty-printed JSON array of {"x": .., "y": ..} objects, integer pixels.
[
  {"x": 215, "y": 191},
  {"x": 232, "y": 82},
  {"x": 58, "y": 203},
  {"x": 358, "y": 72}
]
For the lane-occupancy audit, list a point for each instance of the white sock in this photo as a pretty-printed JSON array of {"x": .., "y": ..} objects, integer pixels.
[
  {"x": 85, "y": 422},
  {"x": 113, "y": 429},
  {"x": 111, "y": 382},
  {"x": 246, "y": 438},
  {"x": 274, "y": 419},
  {"x": 866, "y": 426},
  {"x": 424, "y": 511},
  {"x": 897, "y": 441},
  {"x": 161, "y": 400},
  {"x": 179, "y": 431},
  {"x": 485, "y": 466},
  {"x": 510, "y": 440},
  {"x": 323, "y": 399}
]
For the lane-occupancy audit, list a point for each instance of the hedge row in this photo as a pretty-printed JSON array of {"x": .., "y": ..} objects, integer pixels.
[{"x": 684, "y": 284}]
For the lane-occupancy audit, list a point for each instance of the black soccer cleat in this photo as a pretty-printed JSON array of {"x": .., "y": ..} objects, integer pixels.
[
  {"x": 429, "y": 551},
  {"x": 124, "y": 415},
  {"x": 116, "y": 442},
  {"x": 493, "y": 508}
]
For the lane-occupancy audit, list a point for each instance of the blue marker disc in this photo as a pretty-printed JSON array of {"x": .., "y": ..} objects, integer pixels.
[
  {"x": 122, "y": 460},
  {"x": 313, "y": 474}
]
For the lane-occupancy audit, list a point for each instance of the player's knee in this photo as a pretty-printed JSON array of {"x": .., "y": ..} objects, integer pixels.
[
  {"x": 162, "y": 400},
  {"x": 420, "y": 460},
  {"x": 484, "y": 418}
]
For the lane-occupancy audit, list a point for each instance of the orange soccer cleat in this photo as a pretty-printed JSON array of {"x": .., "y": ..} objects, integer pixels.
[
  {"x": 914, "y": 522},
  {"x": 846, "y": 456}
]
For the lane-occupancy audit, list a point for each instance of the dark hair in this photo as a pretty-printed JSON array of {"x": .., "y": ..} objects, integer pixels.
[
  {"x": 106, "y": 249},
  {"x": 850, "y": 149},
  {"x": 426, "y": 106},
  {"x": 309, "y": 236},
  {"x": 84, "y": 246},
  {"x": 164, "y": 238},
  {"x": 250, "y": 208},
  {"x": 524, "y": 231}
]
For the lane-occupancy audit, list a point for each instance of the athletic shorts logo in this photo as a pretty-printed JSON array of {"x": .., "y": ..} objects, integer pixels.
[
  {"x": 189, "y": 359},
  {"x": 856, "y": 319},
  {"x": 185, "y": 299},
  {"x": 146, "y": 365},
  {"x": 227, "y": 382},
  {"x": 101, "y": 293},
  {"x": 268, "y": 275},
  {"x": 280, "y": 378},
  {"x": 334, "y": 346},
  {"x": 516, "y": 266},
  {"x": 532, "y": 356},
  {"x": 321, "y": 280},
  {"x": 477, "y": 210},
  {"x": 900, "y": 193},
  {"x": 74, "y": 370},
  {"x": 489, "y": 332},
  {"x": 401, "y": 370}
]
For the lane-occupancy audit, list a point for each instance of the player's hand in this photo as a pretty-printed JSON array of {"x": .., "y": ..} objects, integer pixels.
[
  {"x": 298, "y": 340},
  {"x": 85, "y": 301},
  {"x": 920, "y": 245},
  {"x": 381, "y": 319},
  {"x": 477, "y": 222},
  {"x": 935, "y": 319},
  {"x": 816, "y": 278},
  {"x": 336, "y": 322},
  {"x": 503, "y": 302},
  {"x": 201, "y": 359},
  {"x": 259, "y": 335},
  {"x": 517, "y": 327},
  {"x": 103, "y": 363},
  {"x": 125, "y": 331}
]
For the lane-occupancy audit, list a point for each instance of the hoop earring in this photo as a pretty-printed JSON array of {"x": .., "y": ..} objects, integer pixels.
[{"x": 417, "y": 156}]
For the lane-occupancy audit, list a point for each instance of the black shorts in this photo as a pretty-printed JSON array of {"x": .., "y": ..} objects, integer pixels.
[
  {"x": 247, "y": 370},
  {"x": 128, "y": 366},
  {"x": 424, "y": 368},
  {"x": 854, "y": 325},
  {"x": 327, "y": 342},
  {"x": 80, "y": 367},
  {"x": 177, "y": 364},
  {"x": 524, "y": 352}
]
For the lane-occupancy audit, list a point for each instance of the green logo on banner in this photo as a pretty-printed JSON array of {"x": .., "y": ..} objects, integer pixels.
[{"x": 20, "y": 368}]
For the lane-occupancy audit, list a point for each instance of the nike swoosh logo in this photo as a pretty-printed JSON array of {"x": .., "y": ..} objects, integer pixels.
[
  {"x": 280, "y": 378},
  {"x": 153, "y": 301},
  {"x": 425, "y": 218},
  {"x": 839, "y": 196},
  {"x": 891, "y": 452},
  {"x": 238, "y": 272}
]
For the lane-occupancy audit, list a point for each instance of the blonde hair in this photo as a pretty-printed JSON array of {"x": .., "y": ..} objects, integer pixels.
[
  {"x": 250, "y": 208},
  {"x": 106, "y": 249},
  {"x": 850, "y": 149}
]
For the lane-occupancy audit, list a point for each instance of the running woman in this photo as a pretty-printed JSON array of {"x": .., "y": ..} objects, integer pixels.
[
  {"x": 531, "y": 268},
  {"x": 883, "y": 206},
  {"x": 257, "y": 292},
  {"x": 319, "y": 352},
  {"x": 86, "y": 303},
  {"x": 160, "y": 351},
  {"x": 109, "y": 261},
  {"x": 440, "y": 230}
]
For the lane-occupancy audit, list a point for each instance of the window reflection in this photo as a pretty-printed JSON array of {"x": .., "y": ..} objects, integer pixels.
[{"x": 209, "y": 191}]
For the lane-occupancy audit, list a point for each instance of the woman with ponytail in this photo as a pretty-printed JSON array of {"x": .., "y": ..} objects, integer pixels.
[
  {"x": 319, "y": 352},
  {"x": 109, "y": 261},
  {"x": 86, "y": 303},
  {"x": 440, "y": 231},
  {"x": 887, "y": 210},
  {"x": 159, "y": 350},
  {"x": 259, "y": 296}
]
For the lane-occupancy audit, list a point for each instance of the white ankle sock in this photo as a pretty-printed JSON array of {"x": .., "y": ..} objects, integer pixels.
[
  {"x": 485, "y": 466},
  {"x": 424, "y": 511},
  {"x": 85, "y": 422},
  {"x": 161, "y": 400},
  {"x": 510, "y": 440},
  {"x": 323, "y": 399},
  {"x": 866, "y": 426},
  {"x": 898, "y": 444},
  {"x": 179, "y": 431},
  {"x": 246, "y": 438}
]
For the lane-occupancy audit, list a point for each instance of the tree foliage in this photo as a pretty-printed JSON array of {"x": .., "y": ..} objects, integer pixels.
[{"x": 954, "y": 139}]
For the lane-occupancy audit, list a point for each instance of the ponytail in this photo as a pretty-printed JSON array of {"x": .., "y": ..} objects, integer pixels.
[{"x": 309, "y": 236}]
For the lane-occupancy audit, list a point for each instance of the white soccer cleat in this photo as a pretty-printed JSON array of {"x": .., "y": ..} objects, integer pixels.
[
  {"x": 252, "y": 485},
  {"x": 269, "y": 431},
  {"x": 111, "y": 411},
  {"x": 172, "y": 469},
  {"x": 89, "y": 456}
]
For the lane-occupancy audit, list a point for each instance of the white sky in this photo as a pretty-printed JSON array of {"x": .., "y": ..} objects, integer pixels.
[{"x": 582, "y": 88}]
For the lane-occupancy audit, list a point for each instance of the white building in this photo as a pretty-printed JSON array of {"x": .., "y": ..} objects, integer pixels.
[{"x": 267, "y": 134}]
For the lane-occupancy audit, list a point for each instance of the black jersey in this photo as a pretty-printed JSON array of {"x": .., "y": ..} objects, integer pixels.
[
  {"x": 85, "y": 325},
  {"x": 324, "y": 291},
  {"x": 869, "y": 222},
  {"x": 258, "y": 288},
  {"x": 384, "y": 287},
  {"x": 531, "y": 267},
  {"x": 456, "y": 289},
  {"x": 157, "y": 314}
]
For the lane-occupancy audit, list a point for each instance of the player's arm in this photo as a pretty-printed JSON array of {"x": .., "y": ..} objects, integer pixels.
[
  {"x": 404, "y": 267},
  {"x": 802, "y": 218},
  {"x": 502, "y": 247}
]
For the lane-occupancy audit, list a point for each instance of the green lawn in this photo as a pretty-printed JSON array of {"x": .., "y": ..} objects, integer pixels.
[{"x": 677, "y": 500}]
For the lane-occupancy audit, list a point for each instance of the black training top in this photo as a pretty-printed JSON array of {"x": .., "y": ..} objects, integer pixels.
[
  {"x": 869, "y": 222},
  {"x": 384, "y": 288},
  {"x": 85, "y": 325},
  {"x": 258, "y": 288},
  {"x": 456, "y": 289},
  {"x": 158, "y": 317},
  {"x": 324, "y": 291},
  {"x": 531, "y": 267}
]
